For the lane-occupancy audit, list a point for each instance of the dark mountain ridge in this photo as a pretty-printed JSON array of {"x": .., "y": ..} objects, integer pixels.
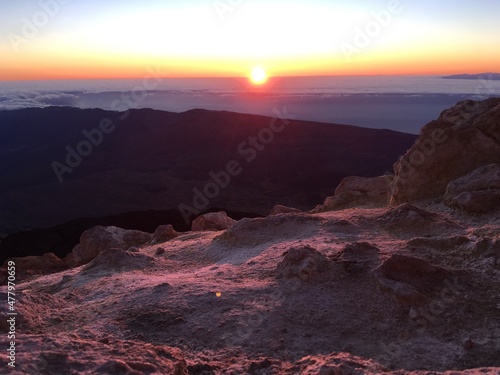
[{"x": 61, "y": 164}]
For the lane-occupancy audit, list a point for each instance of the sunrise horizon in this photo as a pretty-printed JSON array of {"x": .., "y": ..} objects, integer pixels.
[
  {"x": 55, "y": 39},
  {"x": 228, "y": 187},
  {"x": 270, "y": 77}
]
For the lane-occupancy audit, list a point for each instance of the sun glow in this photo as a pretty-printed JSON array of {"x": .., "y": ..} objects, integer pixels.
[{"x": 258, "y": 76}]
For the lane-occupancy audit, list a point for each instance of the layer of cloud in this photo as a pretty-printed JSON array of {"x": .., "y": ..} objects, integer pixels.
[{"x": 33, "y": 99}]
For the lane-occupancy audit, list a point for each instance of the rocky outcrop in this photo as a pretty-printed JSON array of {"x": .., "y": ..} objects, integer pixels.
[
  {"x": 163, "y": 233},
  {"x": 408, "y": 220},
  {"x": 46, "y": 262},
  {"x": 477, "y": 192},
  {"x": 410, "y": 280},
  {"x": 357, "y": 257},
  {"x": 33, "y": 265},
  {"x": 463, "y": 138},
  {"x": 212, "y": 221},
  {"x": 117, "y": 260},
  {"x": 257, "y": 231},
  {"x": 303, "y": 262},
  {"x": 279, "y": 209},
  {"x": 98, "y": 239},
  {"x": 358, "y": 191}
]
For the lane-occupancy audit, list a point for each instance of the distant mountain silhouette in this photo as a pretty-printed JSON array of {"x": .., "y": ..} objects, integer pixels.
[
  {"x": 152, "y": 160},
  {"x": 487, "y": 76}
]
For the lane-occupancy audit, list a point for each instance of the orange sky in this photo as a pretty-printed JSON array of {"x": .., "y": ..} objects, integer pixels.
[{"x": 83, "y": 40}]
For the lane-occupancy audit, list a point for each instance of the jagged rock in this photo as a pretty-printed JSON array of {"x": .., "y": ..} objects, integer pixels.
[
  {"x": 338, "y": 364},
  {"x": 163, "y": 233},
  {"x": 252, "y": 232},
  {"x": 358, "y": 191},
  {"x": 357, "y": 256},
  {"x": 212, "y": 221},
  {"x": 279, "y": 209},
  {"x": 117, "y": 260},
  {"x": 477, "y": 192},
  {"x": 100, "y": 238},
  {"x": 48, "y": 262},
  {"x": 370, "y": 190},
  {"x": 463, "y": 138},
  {"x": 409, "y": 220},
  {"x": 410, "y": 280},
  {"x": 303, "y": 262}
]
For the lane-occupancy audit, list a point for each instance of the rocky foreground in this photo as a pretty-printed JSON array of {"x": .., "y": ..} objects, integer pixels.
[{"x": 391, "y": 275}]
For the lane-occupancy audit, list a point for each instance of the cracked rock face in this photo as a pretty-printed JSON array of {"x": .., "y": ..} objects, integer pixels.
[
  {"x": 477, "y": 192},
  {"x": 464, "y": 138}
]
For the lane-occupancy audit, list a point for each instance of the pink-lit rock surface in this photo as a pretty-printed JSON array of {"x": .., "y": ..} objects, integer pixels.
[{"x": 214, "y": 303}]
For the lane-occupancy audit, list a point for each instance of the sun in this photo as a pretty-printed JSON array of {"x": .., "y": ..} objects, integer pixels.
[{"x": 258, "y": 75}]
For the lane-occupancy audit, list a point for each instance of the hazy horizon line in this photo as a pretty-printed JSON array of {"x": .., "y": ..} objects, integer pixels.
[{"x": 244, "y": 77}]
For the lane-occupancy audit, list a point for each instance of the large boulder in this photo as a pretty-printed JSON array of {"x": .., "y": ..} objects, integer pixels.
[
  {"x": 463, "y": 138},
  {"x": 279, "y": 209},
  {"x": 358, "y": 191},
  {"x": 408, "y": 221},
  {"x": 100, "y": 238},
  {"x": 302, "y": 262},
  {"x": 410, "y": 280},
  {"x": 477, "y": 192},
  {"x": 33, "y": 265},
  {"x": 117, "y": 260},
  {"x": 163, "y": 233},
  {"x": 357, "y": 257},
  {"x": 212, "y": 221},
  {"x": 47, "y": 262}
]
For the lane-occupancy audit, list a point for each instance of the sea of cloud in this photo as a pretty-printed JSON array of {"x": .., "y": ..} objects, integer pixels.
[{"x": 397, "y": 103}]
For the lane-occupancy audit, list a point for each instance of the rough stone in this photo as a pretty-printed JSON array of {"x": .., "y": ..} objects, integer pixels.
[
  {"x": 477, "y": 192},
  {"x": 358, "y": 191},
  {"x": 358, "y": 256},
  {"x": 100, "y": 238},
  {"x": 463, "y": 138},
  {"x": 163, "y": 233},
  {"x": 410, "y": 280},
  {"x": 214, "y": 221},
  {"x": 48, "y": 262},
  {"x": 279, "y": 209},
  {"x": 303, "y": 262}
]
